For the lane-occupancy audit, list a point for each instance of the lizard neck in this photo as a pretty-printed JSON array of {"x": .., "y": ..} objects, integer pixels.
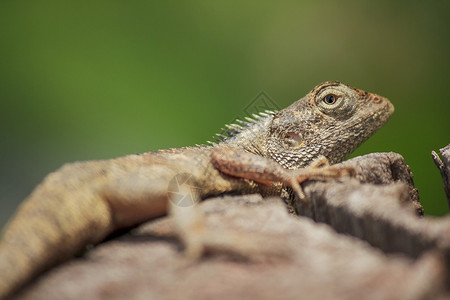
[{"x": 252, "y": 138}]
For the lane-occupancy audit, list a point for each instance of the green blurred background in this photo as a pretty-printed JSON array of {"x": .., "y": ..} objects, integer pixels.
[{"x": 98, "y": 79}]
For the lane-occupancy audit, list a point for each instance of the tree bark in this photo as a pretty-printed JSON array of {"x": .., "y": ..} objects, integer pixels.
[{"x": 297, "y": 257}]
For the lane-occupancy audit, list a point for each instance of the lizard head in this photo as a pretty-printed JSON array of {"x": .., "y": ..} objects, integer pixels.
[{"x": 332, "y": 120}]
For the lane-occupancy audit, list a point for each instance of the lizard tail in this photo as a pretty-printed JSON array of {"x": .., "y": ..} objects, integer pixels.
[{"x": 58, "y": 219}]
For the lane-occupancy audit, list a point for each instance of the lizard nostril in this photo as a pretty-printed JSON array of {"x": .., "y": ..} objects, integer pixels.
[{"x": 376, "y": 99}]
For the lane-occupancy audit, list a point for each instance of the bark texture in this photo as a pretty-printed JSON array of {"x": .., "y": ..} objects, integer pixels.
[{"x": 299, "y": 256}]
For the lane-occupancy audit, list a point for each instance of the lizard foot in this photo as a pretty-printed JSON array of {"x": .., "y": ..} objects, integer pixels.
[
  {"x": 190, "y": 225},
  {"x": 319, "y": 169},
  {"x": 200, "y": 240}
]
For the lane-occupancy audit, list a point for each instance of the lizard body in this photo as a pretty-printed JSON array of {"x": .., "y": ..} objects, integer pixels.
[{"x": 83, "y": 202}]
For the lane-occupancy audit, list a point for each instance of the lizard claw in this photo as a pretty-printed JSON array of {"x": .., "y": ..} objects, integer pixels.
[
  {"x": 319, "y": 171},
  {"x": 295, "y": 185}
]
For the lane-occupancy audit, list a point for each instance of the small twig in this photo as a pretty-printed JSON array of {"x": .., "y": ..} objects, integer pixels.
[{"x": 444, "y": 167}]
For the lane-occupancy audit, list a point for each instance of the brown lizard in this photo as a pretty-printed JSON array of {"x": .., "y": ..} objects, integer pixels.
[{"x": 84, "y": 202}]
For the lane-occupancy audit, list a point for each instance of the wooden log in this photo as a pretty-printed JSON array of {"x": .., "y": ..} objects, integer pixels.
[
  {"x": 380, "y": 206},
  {"x": 295, "y": 257},
  {"x": 322, "y": 264}
]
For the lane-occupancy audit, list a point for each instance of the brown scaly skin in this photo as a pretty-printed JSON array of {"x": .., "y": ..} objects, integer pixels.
[{"x": 84, "y": 202}]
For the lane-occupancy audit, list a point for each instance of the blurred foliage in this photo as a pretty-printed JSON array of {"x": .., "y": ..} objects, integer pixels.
[{"x": 97, "y": 79}]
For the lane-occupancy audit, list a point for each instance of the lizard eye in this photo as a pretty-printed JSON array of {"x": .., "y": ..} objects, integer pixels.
[
  {"x": 336, "y": 102},
  {"x": 329, "y": 99}
]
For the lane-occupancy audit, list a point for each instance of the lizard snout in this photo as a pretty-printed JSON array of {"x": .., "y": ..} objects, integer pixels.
[{"x": 377, "y": 99}]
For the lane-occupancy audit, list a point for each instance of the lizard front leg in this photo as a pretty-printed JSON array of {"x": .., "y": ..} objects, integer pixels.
[
  {"x": 190, "y": 224},
  {"x": 239, "y": 163}
]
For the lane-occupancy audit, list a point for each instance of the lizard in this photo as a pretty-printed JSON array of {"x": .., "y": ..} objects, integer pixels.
[{"x": 83, "y": 202}]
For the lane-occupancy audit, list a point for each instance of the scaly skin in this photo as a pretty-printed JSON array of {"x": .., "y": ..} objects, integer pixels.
[{"x": 84, "y": 202}]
